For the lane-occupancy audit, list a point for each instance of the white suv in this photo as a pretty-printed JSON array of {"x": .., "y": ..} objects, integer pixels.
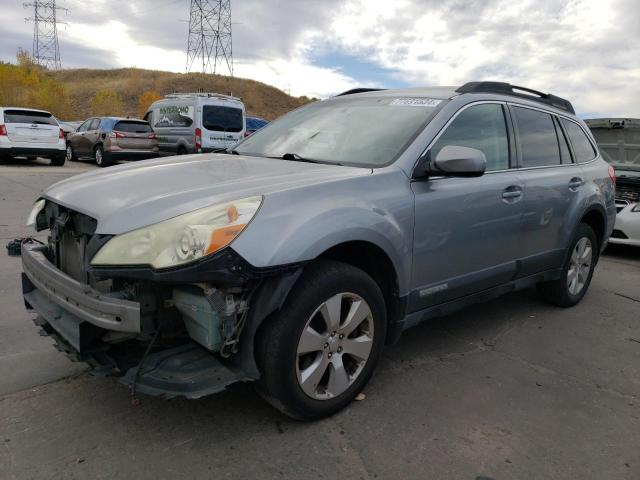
[{"x": 25, "y": 132}]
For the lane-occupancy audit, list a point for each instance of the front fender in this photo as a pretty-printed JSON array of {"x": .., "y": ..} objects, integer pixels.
[{"x": 296, "y": 226}]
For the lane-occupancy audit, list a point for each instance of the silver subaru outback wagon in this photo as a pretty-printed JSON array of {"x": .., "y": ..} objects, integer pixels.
[{"x": 294, "y": 259}]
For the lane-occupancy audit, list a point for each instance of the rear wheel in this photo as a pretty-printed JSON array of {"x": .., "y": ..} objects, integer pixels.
[
  {"x": 98, "y": 155},
  {"x": 577, "y": 270},
  {"x": 59, "y": 160},
  {"x": 319, "y": 351}
]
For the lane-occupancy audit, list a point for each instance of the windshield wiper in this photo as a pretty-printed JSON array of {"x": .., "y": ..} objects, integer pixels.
[{"x": 297, "y": 158}]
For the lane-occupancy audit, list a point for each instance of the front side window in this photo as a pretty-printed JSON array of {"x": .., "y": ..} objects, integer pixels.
[
  {"x": 85, "y": 126},
  {"x": 366, "y": 131},
  {"x": 222, "y": 119},
  {"x": 537, "y": 135},
  {"x": 582, "y": 147},
  {"x": 94, "y": 124},
  {"x": 481, "y": 127}
]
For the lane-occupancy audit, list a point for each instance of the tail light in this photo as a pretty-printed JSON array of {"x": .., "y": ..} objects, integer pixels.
[
  {"x": 198, "y": 139},
  {"x": 247, "y": 134},
  {"x": 115, "y": 134},
  {"x": 3, "y": 131},
  {"x": 612, "y": 174},
  {"x": 61, "y": 135},
  {"x": 152, "y": 136}
]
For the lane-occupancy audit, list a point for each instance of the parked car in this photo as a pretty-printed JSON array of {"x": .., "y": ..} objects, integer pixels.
[
  {"x": 68, "y": 127},
  {"x": 294, "y": 259},
  {"x": 107, "y": 139},
  {"x": 253, "y": 124},
  {"x": 25, "y": 132},
  {"x": 197, "y": 122},
  {"x": 619, "y": 142}
]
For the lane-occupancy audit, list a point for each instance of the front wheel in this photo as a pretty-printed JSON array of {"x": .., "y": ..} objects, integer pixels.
[
  {"x": 98, "y": 155},
  {"x": 70, "y": 154},
  {"x": 319, "y": 351},
  {"x": 577, "y": 270}
]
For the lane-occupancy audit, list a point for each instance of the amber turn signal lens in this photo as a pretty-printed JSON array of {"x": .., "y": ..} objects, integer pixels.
[
  {"x": 232, "y": 213},
  {"x": 223, "y": 237}
]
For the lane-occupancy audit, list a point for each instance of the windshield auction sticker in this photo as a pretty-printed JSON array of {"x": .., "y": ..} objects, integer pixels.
[{"x": 415, "y": 102}]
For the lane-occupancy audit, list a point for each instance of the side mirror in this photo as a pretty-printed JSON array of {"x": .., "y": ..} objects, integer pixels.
[{"x": 459, "y": 162}]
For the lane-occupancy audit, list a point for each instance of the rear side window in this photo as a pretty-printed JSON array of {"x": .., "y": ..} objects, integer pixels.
[
  {"x": 25, "y": 116},
  {"x": 482, "y": 127},
  {"x": 94, "y": 124},
  {"x": 538, "y": 140},
  {"x": 565, "y": 152},
  {"x": 222, "y": 119},
  {"x": 582, "y": 147},
  {"x": 133, "y": 127}
]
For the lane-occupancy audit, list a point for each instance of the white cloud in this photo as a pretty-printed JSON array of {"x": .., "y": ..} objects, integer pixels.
[{"x": 586, "y": 50}]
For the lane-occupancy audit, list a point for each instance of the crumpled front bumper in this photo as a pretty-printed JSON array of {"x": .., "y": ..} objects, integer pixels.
[
  {"x": 72, "y": 308},
  {"x": 76, "y": 316}
]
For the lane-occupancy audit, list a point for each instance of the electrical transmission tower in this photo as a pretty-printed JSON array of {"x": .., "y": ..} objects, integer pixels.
[
  {"x": 210, "y": 36},
  {"x": 46, "y": 51}
]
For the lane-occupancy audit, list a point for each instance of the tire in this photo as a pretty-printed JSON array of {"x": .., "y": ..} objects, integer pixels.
[
  {"x": 577, "y": 270},
  {"x": 58, "y": 161},
  {"x": 181, "y": 150},
  {"x": 334, "y": 375},
  {"x": 70, "y": 155},
  {"x": 98, "y": 155}
]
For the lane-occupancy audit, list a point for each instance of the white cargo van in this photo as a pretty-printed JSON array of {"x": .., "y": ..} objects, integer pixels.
[{"x": 197, "y": 122}]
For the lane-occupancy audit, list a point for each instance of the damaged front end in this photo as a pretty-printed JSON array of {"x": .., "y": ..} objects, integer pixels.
[{"x": 173, "y": 332}]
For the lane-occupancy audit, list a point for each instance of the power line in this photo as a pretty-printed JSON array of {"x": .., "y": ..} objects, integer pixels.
[
  {"x": 210, "y": 35},
  {"x": 45, "y": 51}
]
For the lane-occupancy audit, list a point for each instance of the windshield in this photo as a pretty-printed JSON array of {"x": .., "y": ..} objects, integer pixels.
[
  {"x": 222, "y": 119},
  {"x": 620, "y": 146},
  {"x": 369, "y": 131}
]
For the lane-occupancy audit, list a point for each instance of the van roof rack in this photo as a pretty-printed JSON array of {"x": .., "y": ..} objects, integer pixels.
[
  {"x": 516, "y": 91},
  {"x": 359, "y": 90},
  {"x": 201, "y": 94}
]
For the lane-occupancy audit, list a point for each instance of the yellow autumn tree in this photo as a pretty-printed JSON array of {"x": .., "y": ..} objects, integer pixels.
[
  {"x": 27, "y": 84},
  {"x": 145, "y": 99},
  {"x": 106, "y": 103}
]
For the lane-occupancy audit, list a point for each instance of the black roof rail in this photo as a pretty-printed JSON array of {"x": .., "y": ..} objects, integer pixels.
[
  {"x": 359, "y": 90},
  {"x": 516, "y": 91}
]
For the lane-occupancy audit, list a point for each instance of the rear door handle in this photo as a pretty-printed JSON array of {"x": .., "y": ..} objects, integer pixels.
[
  {"x": 575, "y": 183},
  {"x": 512, "y": 194}
]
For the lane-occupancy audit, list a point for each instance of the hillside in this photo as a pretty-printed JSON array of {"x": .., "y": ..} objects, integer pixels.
[{"x": 129, "y": 84}]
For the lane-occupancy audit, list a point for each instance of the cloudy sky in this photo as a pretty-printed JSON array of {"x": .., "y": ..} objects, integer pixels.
[{"x": 585, "y": 50}]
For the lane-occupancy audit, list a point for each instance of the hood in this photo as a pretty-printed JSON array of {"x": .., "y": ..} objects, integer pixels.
[{"x": 131, "y": 196}]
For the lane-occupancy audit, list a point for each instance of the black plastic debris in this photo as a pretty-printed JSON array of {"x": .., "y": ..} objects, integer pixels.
[{"x": 14, "y": 247}]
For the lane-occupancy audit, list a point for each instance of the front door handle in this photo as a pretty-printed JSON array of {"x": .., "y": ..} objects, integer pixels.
[
  {"x": 575, "y": 183},
  {"x": 512, "y": 194}
]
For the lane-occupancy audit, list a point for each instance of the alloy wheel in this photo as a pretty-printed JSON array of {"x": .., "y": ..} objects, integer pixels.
[
  {"x": 579, "y": 266},
  {"x": 69, "y": 153},
  {"x": 334, "y": 346}
]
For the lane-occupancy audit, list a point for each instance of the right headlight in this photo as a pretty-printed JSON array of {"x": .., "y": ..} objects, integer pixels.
[{"x": 181, "y": 239}]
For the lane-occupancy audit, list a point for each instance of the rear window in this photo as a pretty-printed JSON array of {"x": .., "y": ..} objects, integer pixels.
[
  {"x": 133, "y": 127},
  {"x": 582, "y": 147},
  {"x": 538, "y": 140},
  {"x": 222, "y": 119},
  {"x": 25, "y": 116}
]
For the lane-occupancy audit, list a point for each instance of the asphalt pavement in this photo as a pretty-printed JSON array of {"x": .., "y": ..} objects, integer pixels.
[{"x": 510, "y": 389}]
